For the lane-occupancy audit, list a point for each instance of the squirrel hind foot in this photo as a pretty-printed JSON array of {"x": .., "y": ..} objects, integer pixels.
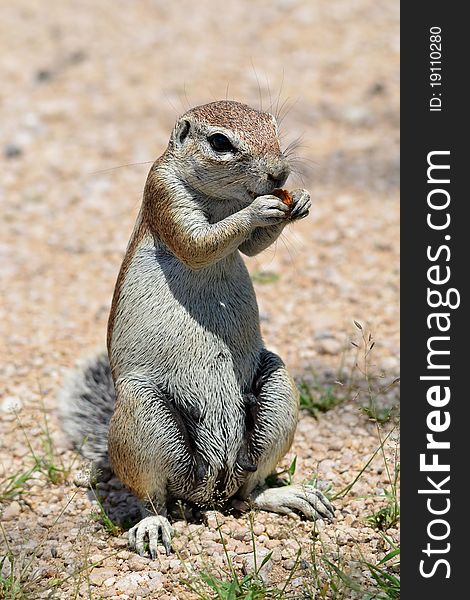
[
  {"x": 305, "y": 499},
  {"x": 152, "y": 529}
]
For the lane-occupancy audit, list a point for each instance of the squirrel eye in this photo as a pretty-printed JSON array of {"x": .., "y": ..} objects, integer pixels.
[{"x": 221, "y": 143}]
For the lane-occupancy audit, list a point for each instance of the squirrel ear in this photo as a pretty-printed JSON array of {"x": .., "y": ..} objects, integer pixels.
[{"x": 181, "y": 132}]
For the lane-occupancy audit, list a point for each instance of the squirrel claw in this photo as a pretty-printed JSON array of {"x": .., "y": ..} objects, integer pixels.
[
  {"x": 151, "y": 528},
  {"x": 301, "y": 205}
]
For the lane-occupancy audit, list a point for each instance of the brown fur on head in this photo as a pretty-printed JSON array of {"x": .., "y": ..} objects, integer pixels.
[{"x": 226, "y": 150}]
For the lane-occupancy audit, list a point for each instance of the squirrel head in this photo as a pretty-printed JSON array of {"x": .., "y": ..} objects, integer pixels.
[{"x": 227, "y": 150}]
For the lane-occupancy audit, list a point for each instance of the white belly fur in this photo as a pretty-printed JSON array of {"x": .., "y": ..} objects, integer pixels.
[{"x": 200, "y": 332}]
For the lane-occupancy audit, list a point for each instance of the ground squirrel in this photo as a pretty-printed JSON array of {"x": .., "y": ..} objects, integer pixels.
[{"x": 191, "y": 405}]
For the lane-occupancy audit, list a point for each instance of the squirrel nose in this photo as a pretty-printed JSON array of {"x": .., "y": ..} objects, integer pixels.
[{"x": 278, "y": 178}]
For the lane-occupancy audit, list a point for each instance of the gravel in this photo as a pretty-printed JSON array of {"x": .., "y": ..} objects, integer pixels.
[{"x": 89, "y": 88}]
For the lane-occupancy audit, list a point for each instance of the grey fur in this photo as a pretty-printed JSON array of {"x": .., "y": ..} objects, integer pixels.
[
  {"x": 86, "y": 404},
  {"x": 204, "y": 412}
]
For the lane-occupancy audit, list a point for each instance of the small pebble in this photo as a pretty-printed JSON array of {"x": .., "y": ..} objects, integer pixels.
[
  {"x": 12, "y": 511},
  {"x": 250, "y": 560},
  {"x": 12, "y": 151}
]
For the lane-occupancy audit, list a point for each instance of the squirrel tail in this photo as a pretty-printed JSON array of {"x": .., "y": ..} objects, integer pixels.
[{"x": 85, "y": 405}]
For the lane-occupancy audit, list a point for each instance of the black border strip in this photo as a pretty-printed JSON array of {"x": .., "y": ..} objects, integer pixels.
[{"x": 425, "y": 131}]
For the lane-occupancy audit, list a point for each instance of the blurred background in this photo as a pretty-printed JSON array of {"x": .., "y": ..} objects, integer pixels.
[{"x": 91, "y": 86}]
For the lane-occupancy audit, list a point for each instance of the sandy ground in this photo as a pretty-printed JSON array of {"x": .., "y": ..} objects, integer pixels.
[{"x": 89, "y": 87}]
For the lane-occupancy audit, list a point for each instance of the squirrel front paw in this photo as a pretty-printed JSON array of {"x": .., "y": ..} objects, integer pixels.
[
  {"x": 301, "y": 205},
  {"x": 267, "y": 210},
  {"x": 151, "y": 528}
]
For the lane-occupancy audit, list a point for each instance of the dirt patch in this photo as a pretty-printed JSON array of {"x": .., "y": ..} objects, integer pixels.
[{"x": 90, "y": 88}]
